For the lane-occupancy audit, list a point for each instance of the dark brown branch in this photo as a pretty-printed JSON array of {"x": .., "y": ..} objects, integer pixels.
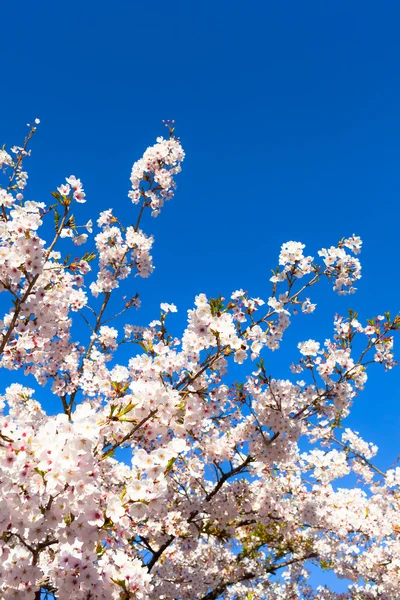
[
  {"x": 129, "y": 434},
  {"x": 214, "y": 594},
  {"x": 193, "y": 515},
  {"x": 227, "y": 476}
]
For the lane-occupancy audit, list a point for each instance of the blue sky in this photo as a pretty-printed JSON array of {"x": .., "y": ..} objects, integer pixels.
[{"x": 289, "y": 114}]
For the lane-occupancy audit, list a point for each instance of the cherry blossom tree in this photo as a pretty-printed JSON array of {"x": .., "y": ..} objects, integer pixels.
[{"x": 160, "y": 476}]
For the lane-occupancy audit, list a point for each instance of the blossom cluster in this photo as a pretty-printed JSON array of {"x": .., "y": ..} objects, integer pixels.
[
  {"x": 156, "y": 168},
  {"x": 156, "y": 474}
]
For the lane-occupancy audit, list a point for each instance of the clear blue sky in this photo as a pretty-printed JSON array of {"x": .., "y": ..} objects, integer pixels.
[{"x": 290, "y": 116}]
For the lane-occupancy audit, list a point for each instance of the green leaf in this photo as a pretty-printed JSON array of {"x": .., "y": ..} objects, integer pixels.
[
  {"x": 120, "y": 582},
  {"x": 108, "y": 454},
  {"x": 170, "y": 464},
  {"x": 126, "y": 409},
  {"x": 88, "y": 257},
  {"x": 56, "y": 218}
]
